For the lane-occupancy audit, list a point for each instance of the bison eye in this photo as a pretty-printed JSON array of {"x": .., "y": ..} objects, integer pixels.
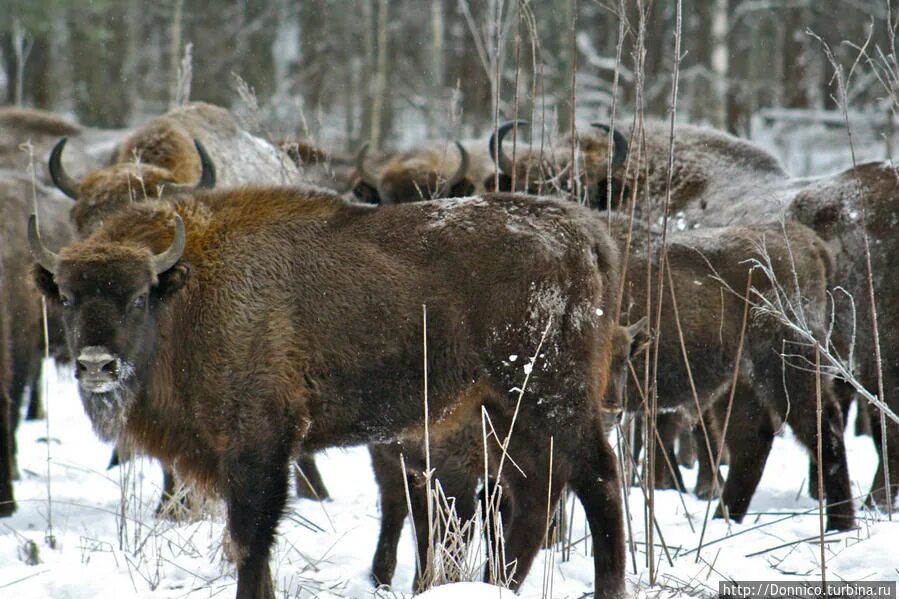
[
  {"x": 65, "y": 300},
  {"x": 139, "y": 302}
]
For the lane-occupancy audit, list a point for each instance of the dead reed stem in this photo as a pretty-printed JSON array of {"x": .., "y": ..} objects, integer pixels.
[{"x": 820, "y": 468}]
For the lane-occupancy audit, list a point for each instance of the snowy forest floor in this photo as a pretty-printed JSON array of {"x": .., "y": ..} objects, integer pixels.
[{"x": 324, "y": 550}]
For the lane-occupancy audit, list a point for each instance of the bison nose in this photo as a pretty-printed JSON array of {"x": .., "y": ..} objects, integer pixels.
[{"x": 96, "y": 363}]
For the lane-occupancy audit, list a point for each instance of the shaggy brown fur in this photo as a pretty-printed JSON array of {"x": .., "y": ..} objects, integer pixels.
[
  {"x": 293, "y": 319},
  {"x": 835, "y": 208},
  {"x": 20, "y": 300},
  {"x": 711, "y": 320},
  {"x": 162, "y": 153}
]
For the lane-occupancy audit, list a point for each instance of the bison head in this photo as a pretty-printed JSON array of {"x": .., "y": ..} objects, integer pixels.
[
  {"x": 413, "y": 176},
  {"x": 599, "y": 178},
  {"x": 539, "y": 171},
  {"x": 110, "y": 294},
  {"x": 549, "y": 171},
  {"x": 105, "y": 191}
]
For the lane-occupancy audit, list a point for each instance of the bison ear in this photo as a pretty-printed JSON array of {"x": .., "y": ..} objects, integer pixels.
[
  {"x": 462, "y": 189},
  {"x": 366, "y": 194},
  {"x": 640, "y": 337},
  {"x": 505, "y": 183},
  {"x": 43, "y": 278},
  {"x": 172, "y": 280}
]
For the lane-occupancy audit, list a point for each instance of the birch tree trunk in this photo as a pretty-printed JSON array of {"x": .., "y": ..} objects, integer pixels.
[
  {"x": 434, "y": 90},
  {"x": 379, "y": 87},
  {"x": 720, "y": 63}
]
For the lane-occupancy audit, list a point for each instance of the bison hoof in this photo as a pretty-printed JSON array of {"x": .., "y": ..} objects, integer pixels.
[
  {"x": 846, "y": 522},
  {"x": 707, "y": 490}
]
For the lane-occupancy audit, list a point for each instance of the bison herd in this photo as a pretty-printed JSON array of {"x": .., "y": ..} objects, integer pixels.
[{"x": 231, "y": 306}]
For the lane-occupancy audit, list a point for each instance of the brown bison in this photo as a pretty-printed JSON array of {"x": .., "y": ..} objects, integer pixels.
[
  {"x": 20, "y": 300},
  {"x": 709, "y": 270},
  {"x": 717, "y": 178},
  {"x": 172, "y": 153},
  {"x": 843, "y": 209},
  {"x": 223, "y": 341},
  {"x": 22, "y": 129},
  {"x": 424, "y": 173},
  {"x": 548, "y": 170}
]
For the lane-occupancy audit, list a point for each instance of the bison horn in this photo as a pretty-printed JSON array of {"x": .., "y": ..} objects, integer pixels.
[
  {"x": 619, "y": 155},
  {"x": 365, "y": 176},
  {"x": 47, "y": 259},
  {"x": 460, "y": 173},
  {"x": 167, "y": 259},
  {"x": 61, "y": 178},
  {"x": 495, "y": 146},
  {"x": 207, "y": 175}
]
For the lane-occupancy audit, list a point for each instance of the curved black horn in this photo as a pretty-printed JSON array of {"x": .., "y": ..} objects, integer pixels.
[
  {"x": 167, "y": 259},
  {"x": 39, "y": 251},
  {"x": 461, "y": 172},
  {"x": 366, "y": 177},
  {"x": 207, "y": 175},
  {"x": 619, "y": 155},
  {"x": 495, "y": 146},
  {"x": 61, "y": 178}
]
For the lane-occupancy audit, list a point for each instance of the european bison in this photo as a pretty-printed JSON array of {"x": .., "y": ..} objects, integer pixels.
[
  {"x": 95, "y": 148},
  {"x": 172, "y": 153},
  {"x": 842, "y": 208},
  {"x": 719, "y": 180},
  {"x": 19, "y": 298},
  {"x": 548, "y": 170},
  {"x": 223, "y": 341},
  {"x": 709, "y": 270},
  {"x": 424, "y": 173}
]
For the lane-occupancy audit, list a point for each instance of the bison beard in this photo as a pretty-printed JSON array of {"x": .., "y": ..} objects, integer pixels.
[
  {"x": 325, "y": 296},
  {"x": 108, "y": 407}
]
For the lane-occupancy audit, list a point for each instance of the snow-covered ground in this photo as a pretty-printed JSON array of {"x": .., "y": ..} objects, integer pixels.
[{"x": 324, "y": 550}]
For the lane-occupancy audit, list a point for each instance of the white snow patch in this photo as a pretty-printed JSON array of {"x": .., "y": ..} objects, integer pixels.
[
  {"x": 163, "y": 560},
  {"x": 468, "y": 590}
]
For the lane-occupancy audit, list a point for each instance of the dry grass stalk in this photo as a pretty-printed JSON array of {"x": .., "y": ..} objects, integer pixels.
[{"x": 820, "y": 468}]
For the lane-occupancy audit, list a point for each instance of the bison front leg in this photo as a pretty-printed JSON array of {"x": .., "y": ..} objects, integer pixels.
[
  {"x": 385, "y": 460},
  {"x": 667, "y": 471},
  {"x": 595, "y": 482},
  {"x": 256, "y": 492}
]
